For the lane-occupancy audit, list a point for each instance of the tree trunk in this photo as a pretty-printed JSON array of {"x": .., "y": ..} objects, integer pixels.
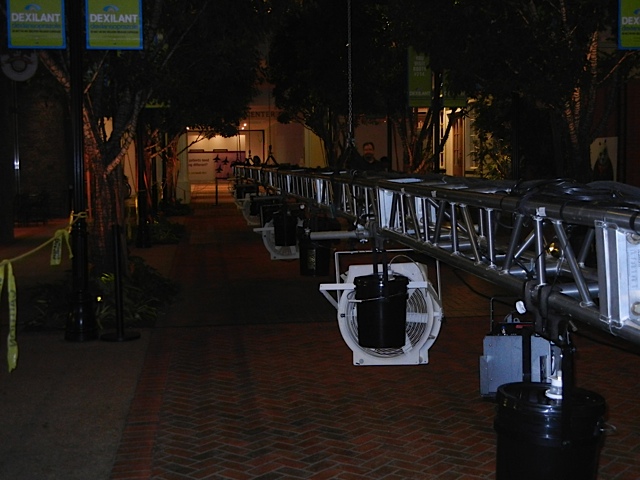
[{"x": 105, "y": 204}]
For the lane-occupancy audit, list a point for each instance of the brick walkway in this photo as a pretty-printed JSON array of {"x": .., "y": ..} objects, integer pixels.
[{"x": 248, "y": 378}]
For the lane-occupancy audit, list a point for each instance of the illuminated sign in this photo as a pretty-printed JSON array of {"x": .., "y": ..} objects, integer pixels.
[
  {"x": 420, "y": 84},
  {"x": 114, "y": 25},
  {"x": 419, "y": 79},
  {"x": 36, "y": 24},
  {"x": 629, "y": 24}
]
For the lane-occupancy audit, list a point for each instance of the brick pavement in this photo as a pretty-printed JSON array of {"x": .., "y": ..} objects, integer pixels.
[{"x": 248, "y": 378}]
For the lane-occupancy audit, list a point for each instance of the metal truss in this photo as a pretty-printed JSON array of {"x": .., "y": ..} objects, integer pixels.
[{"x": 570, "y": 251}]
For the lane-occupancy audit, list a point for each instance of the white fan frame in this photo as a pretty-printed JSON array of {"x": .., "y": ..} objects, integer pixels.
[
  {"x": 240, "y": 202},
  {"x": 415, "y": 351},
  {"x": 277, "y": 252},
  {"x": 246, "y": 210}
]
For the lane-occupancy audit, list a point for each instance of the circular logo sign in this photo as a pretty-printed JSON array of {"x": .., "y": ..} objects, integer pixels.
[{"x": 18, "y": 65}]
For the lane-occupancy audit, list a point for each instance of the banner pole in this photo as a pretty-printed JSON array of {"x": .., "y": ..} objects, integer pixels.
[{"x": 81, "y": 325}]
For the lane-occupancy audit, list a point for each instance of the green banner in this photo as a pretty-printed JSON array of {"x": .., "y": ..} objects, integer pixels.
[
  {"x": 420, "y": 84},
  {"x": 115, "y": 25},
  {"x": 419, "y": 73},
  {"x": 629, "y": 24},
  {"x": 452, "y": 101},
  {"x": 36, "y": 25}
]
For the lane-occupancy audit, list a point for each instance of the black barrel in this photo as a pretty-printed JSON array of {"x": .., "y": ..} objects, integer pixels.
[
  {"x": 285, "y": 228},
  {"x": 382, "y": 310},
  {"x": 243, "y": 189},
  {"x": 531, "y": 442},
  {"x": 315, "y": 257},
  {"x": 268, "y": 211}
]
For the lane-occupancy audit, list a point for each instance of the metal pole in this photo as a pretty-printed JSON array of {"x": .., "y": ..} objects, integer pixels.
[
  {"x": 16, "y": 136},
  {"x": 436, "y": 105},
  {"x": 143, "y": 237},
  {"x": 81, "y": 325},
  {"x": 119, "y": 335}
]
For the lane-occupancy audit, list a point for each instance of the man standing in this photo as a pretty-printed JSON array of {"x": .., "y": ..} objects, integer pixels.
[{"x": 368, "y": 160}]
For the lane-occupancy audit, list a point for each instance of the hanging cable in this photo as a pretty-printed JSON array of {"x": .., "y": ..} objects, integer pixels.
[
  {"x": 349, "y": 152},
  {"x": 249, "y": 136},
  {"x": 350, "y": 140}
]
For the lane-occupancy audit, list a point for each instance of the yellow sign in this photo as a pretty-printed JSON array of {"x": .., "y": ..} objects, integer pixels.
[
  {"x": 629, "y": 25},
  {"x": 36, "y": 25},
  {"x": 115, "y": 25},
  {"x": 419, "y": 79}
]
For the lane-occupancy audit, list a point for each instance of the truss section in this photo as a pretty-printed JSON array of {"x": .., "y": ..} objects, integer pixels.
[{"x": 570, "y": 251}]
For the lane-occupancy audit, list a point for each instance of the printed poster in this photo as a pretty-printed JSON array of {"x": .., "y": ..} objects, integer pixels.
[
  {"x": 629, "y": 24},
  {"x": 115, "y": 25},
  {"x": 36, "y": 24}
]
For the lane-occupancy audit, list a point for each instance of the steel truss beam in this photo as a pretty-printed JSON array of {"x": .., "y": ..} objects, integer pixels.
[{"x": 571, "y": 251}]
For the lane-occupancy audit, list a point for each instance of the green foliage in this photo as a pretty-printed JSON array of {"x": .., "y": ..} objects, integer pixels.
[
  {"x": 162, "y": 232},
  {"x": 309, "y": 68},
  {"x": 199, "y": 63},
  {"x": 166, "y": 232},
  {"x": 210, "y": 48},
  {"x": 145, "y": 295},
  {"x": 499, "y": 124},
  {"x": 552, "y": 56},
  {"x": 492, "y": 157},
  {"x": 49, "y": 306}
]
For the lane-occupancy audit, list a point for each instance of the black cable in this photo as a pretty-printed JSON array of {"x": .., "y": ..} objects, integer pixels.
[{"x": 473, "y": 290}]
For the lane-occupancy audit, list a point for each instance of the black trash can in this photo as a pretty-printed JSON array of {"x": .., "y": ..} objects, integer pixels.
[
  {"x": 315, "y": 257},
  {"x": 381, "y": 310},
  {"x": 268, "y": 211},
  {"x": 243, "y": 189},
  {"x": 285, "y": 228},
  {"x": 529, "y": 427}
]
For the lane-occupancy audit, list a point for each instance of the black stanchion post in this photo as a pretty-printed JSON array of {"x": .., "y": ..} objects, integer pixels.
[
  {"x": 81, "y": 325},
  {"x": 119, "y": 335}
]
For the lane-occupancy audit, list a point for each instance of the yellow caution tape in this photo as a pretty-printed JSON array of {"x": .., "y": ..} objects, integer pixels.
[
  {"x": 12, "y": 345},
  {"x": 56, "y": 251},
  {"x": 56, "y": 247},
  {"x": 59, "y": 237}
]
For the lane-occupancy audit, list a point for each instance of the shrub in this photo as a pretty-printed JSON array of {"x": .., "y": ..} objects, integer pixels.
[{"x": 145, "y": 295}]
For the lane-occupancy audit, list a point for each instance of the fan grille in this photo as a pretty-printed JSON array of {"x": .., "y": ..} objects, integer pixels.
[
  {"x": 417, "y": 323},
  {"x": 246, "y": 213}
]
